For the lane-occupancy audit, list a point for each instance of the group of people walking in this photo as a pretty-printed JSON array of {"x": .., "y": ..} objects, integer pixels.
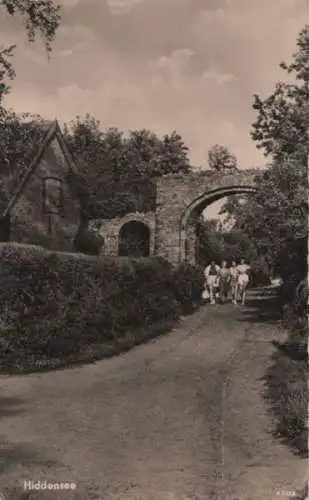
[{"x": 223, "y": 280}]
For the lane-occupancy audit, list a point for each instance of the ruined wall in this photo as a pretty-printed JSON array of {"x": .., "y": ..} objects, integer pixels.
[
  {"x": 110, "y": 228},
  {"x": 182, "y": 197}
]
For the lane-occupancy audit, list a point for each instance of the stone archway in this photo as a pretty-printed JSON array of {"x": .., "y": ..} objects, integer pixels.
[
  {"x": 134, "y": 239},
  {"x": 187, "y": 234},
  {"x": 181, "y": 198},
  {"x": 110, "y": 230}
]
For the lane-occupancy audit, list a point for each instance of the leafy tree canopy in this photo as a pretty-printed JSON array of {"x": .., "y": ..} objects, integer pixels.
[
  {"x": 275, "y": 219},
  {"x": 282, "y": 124},
  {"x": 116, "y": 173},
  {"x": 19, "y": 139},
  {"x": 40, "y": 17},
  {"x": 220, "y": 158}
]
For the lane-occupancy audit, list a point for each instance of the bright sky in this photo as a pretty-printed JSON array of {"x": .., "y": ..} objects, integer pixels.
[{"x": 189, "y": 65}]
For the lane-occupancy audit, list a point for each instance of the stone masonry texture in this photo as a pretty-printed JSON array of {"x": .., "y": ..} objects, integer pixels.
[{"x": 179, "y": 201}]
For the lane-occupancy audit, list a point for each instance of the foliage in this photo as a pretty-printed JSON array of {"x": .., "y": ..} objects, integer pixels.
[
  {"x": 40, "y": 17},
  {"x": 288, "y": 393},
  {"x": 88, "y": 241},
  {"x": 66, "y": 303},
  {"x": 20, "y": 136},
  {"x": 295, "y": 311},
  {"x": 189, "y": 285},
  {"x": 6, "y": 72},
  {"x": 281, "y": 127},
  {"x": 275, "y": 219},
  {"x": 210, "y": 242},
  {"x": 56, "y": 307},
  {"x": 232, "y": 209},
  {"x": 216, "y": 243},
  {"x": 220, "y": 158},
  {"x": 115, "y": 172}
]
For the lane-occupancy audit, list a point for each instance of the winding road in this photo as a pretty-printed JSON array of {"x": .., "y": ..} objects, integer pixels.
[{"x": 180, "y": 418}]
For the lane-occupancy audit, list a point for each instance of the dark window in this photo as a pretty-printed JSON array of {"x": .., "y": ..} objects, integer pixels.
[{"x": 53, "y": 196}]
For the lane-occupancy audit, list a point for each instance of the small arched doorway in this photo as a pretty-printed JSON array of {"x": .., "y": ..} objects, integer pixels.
[{"x": 134, "y": 240}]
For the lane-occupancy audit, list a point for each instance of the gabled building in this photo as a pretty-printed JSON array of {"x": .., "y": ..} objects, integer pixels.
[{"x": 43, "y": 208}]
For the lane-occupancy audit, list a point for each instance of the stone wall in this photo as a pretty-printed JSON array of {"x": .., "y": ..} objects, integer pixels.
[
  {"x": 110, "y": 229},
  {"x": 180, "y": 198}
]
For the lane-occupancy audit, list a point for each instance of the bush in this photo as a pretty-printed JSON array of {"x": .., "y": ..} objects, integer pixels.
[
  {"x": 288, "y": 290},
  {"x": 295, "y": 313},
  {"x": 54, "y": 305},
  {"x": 260, "y": 273},
  {"x": 288, "y": 392},
  {"x": 88, "y": 242},
  {"x": 189, "y": 282}
]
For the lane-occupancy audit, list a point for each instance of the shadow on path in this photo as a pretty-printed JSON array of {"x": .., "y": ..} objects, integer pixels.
[
  {"x": 263, "y": 306},
  {"x": 11, "y": 454}
]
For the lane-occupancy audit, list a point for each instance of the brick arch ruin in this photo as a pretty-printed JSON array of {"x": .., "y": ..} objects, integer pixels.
[
  {"x": 110, "y": 229},
  {"x": 179, "y": 201}
]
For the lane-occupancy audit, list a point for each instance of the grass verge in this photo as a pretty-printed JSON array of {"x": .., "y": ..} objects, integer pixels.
[{"x": 287, "y": 392}]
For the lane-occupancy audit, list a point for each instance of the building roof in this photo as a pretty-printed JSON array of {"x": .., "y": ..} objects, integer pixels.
[{"x": 51, "y": 130}]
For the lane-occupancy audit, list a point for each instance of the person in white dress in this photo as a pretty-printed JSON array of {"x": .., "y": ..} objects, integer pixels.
[
  {"x": 243, "y": 280},
  {"x": 211, "y": 275}
]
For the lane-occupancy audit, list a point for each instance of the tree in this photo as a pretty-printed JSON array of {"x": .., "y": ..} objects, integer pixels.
[
  {"x": 232, "y": 209},
  {"x": 40, "y": 17},
  {"x": 282, "y": 130},
  {"x": 282, "y": 124},
  {"x": 220, "y": 158},
  {"x": 275, "y": 219},
  {"x": 116, "y": 173},
  {"x": 210, "y": 244},
  {"x": 20, "y": 135},
  {"x": 173, "y": 156}
]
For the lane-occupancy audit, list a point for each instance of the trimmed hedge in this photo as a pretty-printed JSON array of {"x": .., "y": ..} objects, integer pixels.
[{"x": 55, "y": 304}]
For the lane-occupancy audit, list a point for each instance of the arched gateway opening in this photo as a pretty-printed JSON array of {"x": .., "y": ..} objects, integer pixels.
[
  {"x": 190, "y": 218},
  {"x": 180, "y": 201},
  {"x": 134, "y": 240}
]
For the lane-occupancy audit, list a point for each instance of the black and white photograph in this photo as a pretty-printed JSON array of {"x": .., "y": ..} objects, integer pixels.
[{"x": 154, "y": 286}]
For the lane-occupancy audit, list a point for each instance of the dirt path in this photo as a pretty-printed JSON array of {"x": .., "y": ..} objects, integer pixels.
[{"x": 180, "y": 418}]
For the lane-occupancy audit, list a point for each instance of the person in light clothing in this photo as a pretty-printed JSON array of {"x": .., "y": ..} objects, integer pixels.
[
  {"x": 233, "y": 281},
  {"x": 224, "y": 282},
  {"x": 243, "y": 280},
  {"x": 211, "y": 276}
]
